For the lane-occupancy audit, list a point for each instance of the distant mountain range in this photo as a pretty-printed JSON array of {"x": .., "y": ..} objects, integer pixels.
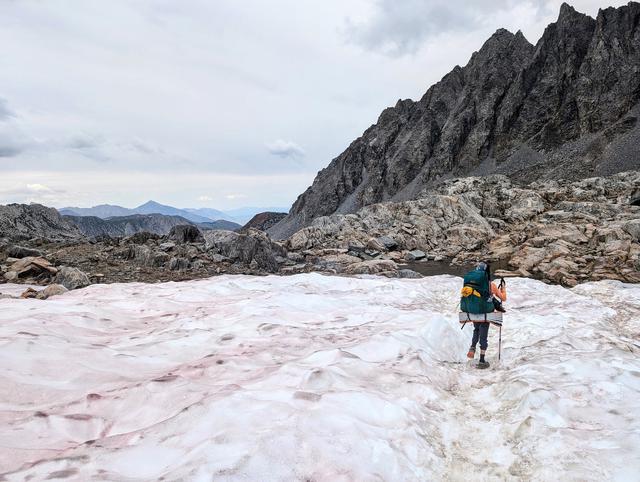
[{"x": 195, "y": 215}]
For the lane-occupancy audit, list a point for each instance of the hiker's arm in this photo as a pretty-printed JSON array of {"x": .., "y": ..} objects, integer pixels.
[{"x": 500, "y": 293}]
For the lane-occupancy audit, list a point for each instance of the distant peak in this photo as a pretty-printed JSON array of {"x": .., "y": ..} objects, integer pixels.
[
  {"x": 566, "y": 9},
  {"x": 505, "y": 41},
  {"x": 502, "y": 33},
  {"x": 567, "y": 12}
]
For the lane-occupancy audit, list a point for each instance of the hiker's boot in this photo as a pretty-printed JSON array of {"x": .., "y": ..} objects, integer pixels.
[
  {"x": 482, "y": 363},
  {"x": 471, "y": 353}
]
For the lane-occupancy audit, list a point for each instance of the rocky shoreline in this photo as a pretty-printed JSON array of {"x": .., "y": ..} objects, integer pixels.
[{"x": 556, "y": 231}]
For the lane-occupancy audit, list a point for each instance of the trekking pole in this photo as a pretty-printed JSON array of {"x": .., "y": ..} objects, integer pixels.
[{"x": 500, "y": 343}]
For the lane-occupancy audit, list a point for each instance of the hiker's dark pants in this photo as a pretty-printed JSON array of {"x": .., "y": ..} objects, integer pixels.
[{"x": 480, "y": 332}]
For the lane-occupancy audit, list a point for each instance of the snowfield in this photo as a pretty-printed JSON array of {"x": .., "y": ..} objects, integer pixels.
[{"x": 318, "y": 378}]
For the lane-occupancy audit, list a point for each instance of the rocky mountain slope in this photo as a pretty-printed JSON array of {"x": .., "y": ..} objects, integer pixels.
[
  {"x": 220, "y": 224},
  {"x": 564, "y": 108},
  {"x": 264, "y": 221},
  {"x": 25, "y": 221},
  {"x": 92, "y": 226}
]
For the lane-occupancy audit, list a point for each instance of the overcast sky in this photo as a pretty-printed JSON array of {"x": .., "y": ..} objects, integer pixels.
[{"x": 224, "y": 103}]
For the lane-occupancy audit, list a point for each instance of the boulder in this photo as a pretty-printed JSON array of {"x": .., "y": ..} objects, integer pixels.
[
  {"x": 336, "y": 262},
  {"x": 387, "y": 242},
  {"x": 143, "y": 255},
  {"x": 375, "y": 266},
  {"x": 409, "y": 274},
  {"x": 295, "y": 257},
  {"x": 33, "y": 266},
  {"x": 142, "y": 237},
  {"x": 633, "y": 228},
  {"x": 356, "y": 246},
  {"x": 415, "y": 255},
  {"x": 29, "y": 293},
  {"x": 374, "y": 245},
  {"x": 251, "y": 247},
  {"x": 185, "y": 233},
  {"x": 179, "y": 264},
  {"x": 72, "y": 278},
  {"x": 218, "y": 258},
  {"x": 11, "y": 276},
  {"x": 22, "y": 252},
  {"x": 51, "y": 290}
]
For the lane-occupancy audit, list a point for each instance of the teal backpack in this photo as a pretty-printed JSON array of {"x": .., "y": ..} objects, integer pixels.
[{"x": 476, "y": 293}]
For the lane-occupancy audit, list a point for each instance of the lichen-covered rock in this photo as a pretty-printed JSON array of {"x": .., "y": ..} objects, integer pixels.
[
  {"x": 415, "y": 255},
  {"x": 185, "y": 233},
  {"x": 254, "y": 246},
  {"x": 32, "y": 266},
  {"x": 372, "y": 267},
  {"x": 51, "y": 290},
  {"x": 71, "y": 278},
  {"x": 179, "y": 264},
  {"x": 26, "y": 221},
  {"x": 23, "y": 252}
]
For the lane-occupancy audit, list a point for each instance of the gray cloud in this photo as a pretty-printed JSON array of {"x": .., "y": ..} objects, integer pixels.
[
  {"x": 127, "y": 101},
  {"x": 5, "y": 112},
  {"x": 398, "y": 28},
  {"x": 13, "y": 141},
  {"x": 9, "y": 150},
  {"x": 285, "y": 149},
  {"x": 84, "y": 141}
]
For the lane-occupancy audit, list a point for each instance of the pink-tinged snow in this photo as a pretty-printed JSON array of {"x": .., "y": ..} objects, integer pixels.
[{"x": 318, "y": 378}]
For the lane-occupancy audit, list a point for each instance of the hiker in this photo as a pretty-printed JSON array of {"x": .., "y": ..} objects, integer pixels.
[{"x": 480, "y": 295}]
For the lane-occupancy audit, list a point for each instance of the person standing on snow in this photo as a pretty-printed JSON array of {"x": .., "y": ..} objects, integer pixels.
[{"x": 479, "y": 297}]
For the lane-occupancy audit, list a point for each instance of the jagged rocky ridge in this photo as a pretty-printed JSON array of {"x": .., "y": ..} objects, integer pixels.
[{"x": 564, "y": 108}]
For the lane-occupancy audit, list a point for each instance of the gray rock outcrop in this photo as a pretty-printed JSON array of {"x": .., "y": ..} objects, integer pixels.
[
  {"x": 26, "y": 221},
  {"x": 253, "y": 248},
  {"x": 185, "y": 233},
  {"x": 71, "y": 278},
  {"x": 264, "y": 221},
  {"x": 51, "y": 290}
]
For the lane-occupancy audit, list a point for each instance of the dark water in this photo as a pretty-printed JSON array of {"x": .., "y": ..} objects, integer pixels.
[{"x": 435, "y": 268}]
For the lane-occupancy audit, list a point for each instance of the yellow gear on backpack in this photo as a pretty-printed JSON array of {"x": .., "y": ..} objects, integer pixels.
[{"x": 468, "y": 291}]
